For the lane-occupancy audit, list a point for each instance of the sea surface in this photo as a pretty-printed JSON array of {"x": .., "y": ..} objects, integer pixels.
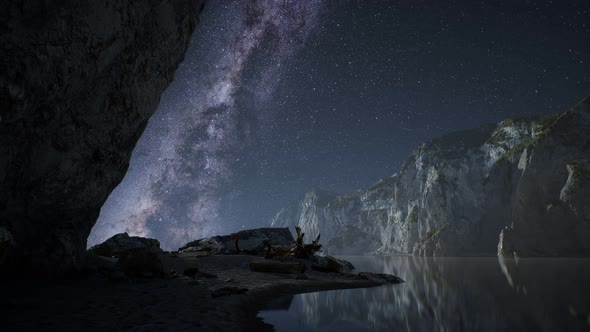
[{"x": 448, "y": 294}]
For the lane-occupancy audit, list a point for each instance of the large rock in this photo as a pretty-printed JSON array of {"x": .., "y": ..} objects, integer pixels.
[
  {"x": 330, "y": 264},
  {"x": 519, "y": 188},
  {"x": 250, "y": 240},
  {"x": 213, "y": 245},
  {"x": 120, "y": 244},
  {"x": 78, "y": 83}
]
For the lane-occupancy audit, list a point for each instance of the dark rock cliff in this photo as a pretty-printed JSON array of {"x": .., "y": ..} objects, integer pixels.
[{"x": 78, "y": 83}]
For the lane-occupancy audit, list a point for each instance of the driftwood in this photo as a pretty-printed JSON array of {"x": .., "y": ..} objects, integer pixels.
[
  {"x": 302, "y": 250},
  {"x": 277, "y": 267}
]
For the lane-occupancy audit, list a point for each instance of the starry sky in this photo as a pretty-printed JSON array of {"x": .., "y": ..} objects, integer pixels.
[{"x": 275, "y": 98}]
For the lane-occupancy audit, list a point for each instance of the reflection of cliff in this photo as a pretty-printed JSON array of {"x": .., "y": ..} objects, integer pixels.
[
  {"x": 451, "y": 294},
  {"x": 521, "y": 186},
  {"x": 554, "y": 287}
]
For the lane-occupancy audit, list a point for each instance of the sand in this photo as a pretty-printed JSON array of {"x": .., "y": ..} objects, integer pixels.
[{"x": 98, "y": 303}]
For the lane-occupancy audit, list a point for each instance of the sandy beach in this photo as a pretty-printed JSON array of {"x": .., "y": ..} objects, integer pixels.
[{"x": 174, "y": 303}]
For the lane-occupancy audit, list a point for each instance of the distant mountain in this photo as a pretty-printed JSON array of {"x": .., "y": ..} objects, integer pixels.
[{"x": 521, "y": 187}]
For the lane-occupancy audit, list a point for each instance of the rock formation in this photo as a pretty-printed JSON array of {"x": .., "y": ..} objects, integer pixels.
[
  {"x": 249, "y": 240},
  {"x": 120, "y": 244},
  {"x": 78, "y": 83},
  {"x": 520, "y": 187},
  {"x": 330, "y": 264}
]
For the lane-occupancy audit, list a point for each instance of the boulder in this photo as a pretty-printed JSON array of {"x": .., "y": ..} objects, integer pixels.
[
  {"x": 212, "y": 245},
  {"x": 250, "y": 241},
  {"x": 330, "y": 264},
  {"x": 120, "y": 244}
]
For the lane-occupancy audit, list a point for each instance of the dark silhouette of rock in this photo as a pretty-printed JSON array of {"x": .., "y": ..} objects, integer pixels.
[
  {"x": 330, "y": 264},
  {"x": 78, "y": 83},
  {"x": 119, "y": 244},
  {"x": 250, "y": 241},
  {"x": 214, "y": 245},
  {"x": 380, "y": 277}
]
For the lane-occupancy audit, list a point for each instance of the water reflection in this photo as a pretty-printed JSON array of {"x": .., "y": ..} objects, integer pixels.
[{"x": 450, "y": 294}]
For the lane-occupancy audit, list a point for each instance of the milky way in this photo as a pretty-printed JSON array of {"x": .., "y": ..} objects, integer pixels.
[
  {"x": 187, "y": 155},
  {"x": 275, "y": 98}
]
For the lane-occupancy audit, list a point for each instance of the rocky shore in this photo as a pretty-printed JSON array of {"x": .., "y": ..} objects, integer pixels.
[
  {"x": 130, "y": 284},
  {"x": 225, "y": 296}
]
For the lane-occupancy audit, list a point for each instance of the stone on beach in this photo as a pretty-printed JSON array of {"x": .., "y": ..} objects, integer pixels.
[
  {"x": 330, "y": 264},
  {"x": 251, "y": 241}
]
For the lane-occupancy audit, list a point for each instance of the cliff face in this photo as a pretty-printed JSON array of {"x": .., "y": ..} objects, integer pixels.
[
  {"x": 517, "y": 188},
  {"x": 78, "y": 83}
]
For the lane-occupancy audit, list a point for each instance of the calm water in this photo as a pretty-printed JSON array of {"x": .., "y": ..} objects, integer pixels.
[{"x": 449, "y": 294}]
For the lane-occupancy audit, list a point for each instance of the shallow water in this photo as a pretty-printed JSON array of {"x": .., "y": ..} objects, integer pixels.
[{"x": 449, "y": 294}]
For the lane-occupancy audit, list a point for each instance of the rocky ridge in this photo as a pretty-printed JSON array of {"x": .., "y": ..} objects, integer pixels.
[
  {"x": 78, "y": 83},
  {"x": 120, "y": 244},
  {"x": 518, "y": 188},
  {"x": 249, "y": 240}
]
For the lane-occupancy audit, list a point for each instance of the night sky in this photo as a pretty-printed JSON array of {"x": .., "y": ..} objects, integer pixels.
[{"x": 275, "y": 98}]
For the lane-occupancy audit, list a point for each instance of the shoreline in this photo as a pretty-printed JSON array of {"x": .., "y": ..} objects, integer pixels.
[
  {"x": 98, "y": 303},
  {"x": 263, "y": 288}
]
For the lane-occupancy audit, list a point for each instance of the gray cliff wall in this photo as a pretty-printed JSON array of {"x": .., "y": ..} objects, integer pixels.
[
  {"x": 517, "y": 188},
  {"x": 78, "y": 83}
]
